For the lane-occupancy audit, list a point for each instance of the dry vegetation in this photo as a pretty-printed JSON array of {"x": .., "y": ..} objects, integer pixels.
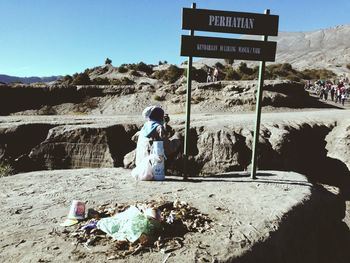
[{"x": 173, "y": 73}]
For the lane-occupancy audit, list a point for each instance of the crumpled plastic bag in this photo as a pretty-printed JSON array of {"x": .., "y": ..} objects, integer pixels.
[
  {"x": 144, "y": 171},
  {"x": 128, "y": 225}
]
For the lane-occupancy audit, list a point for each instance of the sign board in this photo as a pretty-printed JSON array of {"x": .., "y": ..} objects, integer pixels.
[
  {"x": 215, "y": 47},
  {"x": 229, "y": 22}
]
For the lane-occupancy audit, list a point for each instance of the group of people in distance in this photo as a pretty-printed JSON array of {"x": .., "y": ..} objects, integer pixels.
[
  {"x": 338, "y": 93},
  {"x": 212, "y": 74}
]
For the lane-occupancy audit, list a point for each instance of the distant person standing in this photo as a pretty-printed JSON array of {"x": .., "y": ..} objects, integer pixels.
[
  {"x": 322, "y": 92},
  {"x": 326, "y": 90},
  {"x": 339, "y": 92},
  {"x": 332, "y": 93},
  {"x": 215, "y": 74},
  {"x": 337, "y": 95},
  {"x": 343, "y": 97},
  {"x": 209, "y": 75}
]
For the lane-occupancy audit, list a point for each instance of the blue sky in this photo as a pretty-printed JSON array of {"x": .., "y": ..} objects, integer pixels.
[{"x": 49, "y": 37}]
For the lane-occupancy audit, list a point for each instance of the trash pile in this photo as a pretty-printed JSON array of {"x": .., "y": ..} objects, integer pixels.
[{"x": 155, "y": 226}]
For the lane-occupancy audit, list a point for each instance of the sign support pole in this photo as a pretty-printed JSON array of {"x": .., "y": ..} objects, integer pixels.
[
  {"x": 188, "y": 108},
  {"x": 258, "y": 110}
]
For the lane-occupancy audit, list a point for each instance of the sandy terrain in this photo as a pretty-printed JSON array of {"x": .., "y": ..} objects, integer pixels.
[
  {"x": 281, "y": 212},
  {"x": 34, "y": 204}
]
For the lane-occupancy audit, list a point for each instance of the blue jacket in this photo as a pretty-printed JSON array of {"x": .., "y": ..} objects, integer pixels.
[{"x": 149, "y": 127}]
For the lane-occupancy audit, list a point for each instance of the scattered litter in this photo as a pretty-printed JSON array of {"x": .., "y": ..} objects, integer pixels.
[
  {"x": 69, "y": 222},
  {"x": 91, "y": 225},
  {"x": 154, "y": 226},
  {"x": 128, "y": 225},
  {"x": 166, "y": 257},
  {"x": 171, "y": 218},
  {"x": 76, "y": 212}
]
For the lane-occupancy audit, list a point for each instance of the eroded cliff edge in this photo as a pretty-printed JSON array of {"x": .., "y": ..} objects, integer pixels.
[{"x": 311, "y": 142}]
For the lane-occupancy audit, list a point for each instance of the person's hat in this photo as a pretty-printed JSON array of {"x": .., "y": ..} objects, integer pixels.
[{"x": 153, "y": 112}]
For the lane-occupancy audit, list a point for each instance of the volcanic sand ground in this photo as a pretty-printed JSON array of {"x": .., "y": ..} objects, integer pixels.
[{"x": 34, "y": 204}]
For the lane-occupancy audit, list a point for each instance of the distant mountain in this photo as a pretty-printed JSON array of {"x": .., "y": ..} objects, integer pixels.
[
  {"x": 324, "y": 48},
  {"x": 26, "y": 80}
]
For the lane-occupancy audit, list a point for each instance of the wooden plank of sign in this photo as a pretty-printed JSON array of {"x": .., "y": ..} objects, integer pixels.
[
  {"x": 214, "y": 47},
  {"x": 229, "y": 22}
]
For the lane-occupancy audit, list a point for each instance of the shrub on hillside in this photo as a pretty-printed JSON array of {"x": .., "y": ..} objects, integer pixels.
[
  {"x": 231, "y": 74},
  {"x": 122, "y": 69},
  {"x": 81, "y": 79},
  {"x": 219, "y": 65},
  {"x": 282, "y": 71},
  {"x": 199, "y": 75},
  {"x": 172, "y": 74},
  {"x": 67, "y": 79},
  {"x": 148, "y": 69},
  {"x": 293, "y": 77},
  {"x": 159, "y": 74},
  {"x": 100, "y": 81},
  {"x": 123, "y": 81},
  {"x": 6, "y": 169},
  {"x": 108, "y": 61},
  {"x": 244, "y": 69},
  {"x": 348, "y": 66},
  {"x": 317, "y": 74},
  {"x": 135, "y": 73},
  {"x": 229, "y": 61},
  {"x": 162, "y": 62},
  {"x": 158, "y": 98},
  {"x": 47, "y": 110}
]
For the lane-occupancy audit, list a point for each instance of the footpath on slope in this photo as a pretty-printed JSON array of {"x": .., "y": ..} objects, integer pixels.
[{"x": 280, "y": 217}]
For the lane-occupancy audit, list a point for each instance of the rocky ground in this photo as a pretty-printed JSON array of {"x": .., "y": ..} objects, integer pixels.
[
  {"x": 222, "y": 96},
  {"x": 280, "y": 217}
]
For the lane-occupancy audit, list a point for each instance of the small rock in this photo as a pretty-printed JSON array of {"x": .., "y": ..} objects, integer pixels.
[{"x": 20, "y": 242}]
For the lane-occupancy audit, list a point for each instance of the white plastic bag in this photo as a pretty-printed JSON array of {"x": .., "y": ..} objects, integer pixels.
[
  {"x": 143, "y": 171},
  {"x": 157, "y": 161},
  {"x": 149, "y": 166}
]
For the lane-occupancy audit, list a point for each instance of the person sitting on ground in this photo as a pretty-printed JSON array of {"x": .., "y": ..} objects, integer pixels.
[{"x": 155, "y": 128}]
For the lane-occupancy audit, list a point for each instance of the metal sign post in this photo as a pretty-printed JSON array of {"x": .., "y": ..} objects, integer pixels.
[
  {"x": 188, "y": 108},
  {"x": 214, "y": 47},
  {"x": 258, "y": 111}
]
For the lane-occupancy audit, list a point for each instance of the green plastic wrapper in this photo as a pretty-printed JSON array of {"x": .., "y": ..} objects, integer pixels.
[{"x": 128, "y": 225}]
